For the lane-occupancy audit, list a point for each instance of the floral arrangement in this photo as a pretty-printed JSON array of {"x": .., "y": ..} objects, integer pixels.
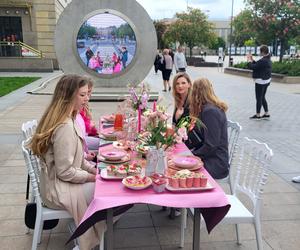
[
  {"x": 139, "y": 97},
  {"x": 158, "y": 133}
]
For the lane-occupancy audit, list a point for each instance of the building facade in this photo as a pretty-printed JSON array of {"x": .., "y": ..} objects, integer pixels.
[{"x": 31, "y": 22}]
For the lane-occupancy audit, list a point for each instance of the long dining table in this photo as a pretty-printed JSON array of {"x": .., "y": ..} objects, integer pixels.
[{"x": 110, "y": 196}]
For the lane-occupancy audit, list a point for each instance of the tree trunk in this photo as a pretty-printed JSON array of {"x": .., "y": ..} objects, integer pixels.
[
  {"x": 282, "y": 48},
  {"x": 191, "y": 51}
]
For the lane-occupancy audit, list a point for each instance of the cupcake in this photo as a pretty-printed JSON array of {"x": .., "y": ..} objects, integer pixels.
[
  {"x": 159, "y": 185},
  {"x": 182, "y": 182},
  {"x": 203, "y": 181},
  {"x": 196, "y": 181},
  {"x": 174, "y": 182},
  {"x": 190, "y": 180}
]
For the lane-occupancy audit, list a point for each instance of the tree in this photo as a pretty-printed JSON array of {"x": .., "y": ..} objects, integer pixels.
[
  {"x": 160, "y": 28},
  {"x": 190, "y": 28},
  {"x": 217, "y": 42},
  {"x": 249, "y": 43},
  {"x": 86, "y": 31},
  {"x": 276, "y": 19},
  {"x": 243, "y": 28}
]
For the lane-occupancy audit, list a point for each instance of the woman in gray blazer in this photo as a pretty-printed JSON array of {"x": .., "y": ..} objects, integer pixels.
[{"x": 209, "y": 141}]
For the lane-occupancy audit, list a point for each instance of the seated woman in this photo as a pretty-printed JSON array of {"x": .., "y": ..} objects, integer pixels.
[
  {"x": 89, "y": 129},
  {"x": 67, "y": 179},
  {"x": 182, "y": 86},
  {"x": 209, "y": 142}
]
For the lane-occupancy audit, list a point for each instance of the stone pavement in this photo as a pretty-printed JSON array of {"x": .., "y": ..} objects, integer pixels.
[{"x": 147, "y": 227}]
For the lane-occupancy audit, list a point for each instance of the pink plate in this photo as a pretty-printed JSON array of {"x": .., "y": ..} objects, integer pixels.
[
  {"x": 185, "y": 161},
  {"x": 113, "y": 154}
]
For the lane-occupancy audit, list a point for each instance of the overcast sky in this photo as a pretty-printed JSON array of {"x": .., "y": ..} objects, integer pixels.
[{"x": 216, "y": 9}]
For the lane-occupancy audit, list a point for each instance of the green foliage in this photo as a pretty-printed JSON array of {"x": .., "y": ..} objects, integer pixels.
[
  {"x": 243, "y": 28},
  {"x": 273, "y": 20},
  {"x": 217, "y": 42},
  {"x": 9, "y": 84},
  {"x": 190, "y": 28},
  {"x": 160, "y": 28},
  {"x": 249, "y": 42},
  {"x": 288, "y": 67},
  {"x": 86, "y": 31},
  {"x": 124, "y": 30}
]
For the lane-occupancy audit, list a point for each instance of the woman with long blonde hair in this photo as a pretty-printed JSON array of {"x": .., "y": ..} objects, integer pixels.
[
  {"x": 209, "y": 142},
  {"x": 66, "y": 179}
]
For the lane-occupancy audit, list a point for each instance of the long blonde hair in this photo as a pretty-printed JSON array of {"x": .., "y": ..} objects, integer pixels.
[
  {"x": 177, "y": 97},
  {"x": 86, "y": 108},
  {"x": 60, "y": 108},
  {"x": 202, "y": 94}
]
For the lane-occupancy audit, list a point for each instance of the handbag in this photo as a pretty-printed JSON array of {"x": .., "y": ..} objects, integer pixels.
[{"x": 30, "y": 217}]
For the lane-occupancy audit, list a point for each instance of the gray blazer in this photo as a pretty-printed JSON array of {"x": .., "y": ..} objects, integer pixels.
[{"x": 210, "y": 143}]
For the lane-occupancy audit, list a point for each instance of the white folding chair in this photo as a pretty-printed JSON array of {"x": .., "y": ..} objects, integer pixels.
[
  {"x": 28, "y": 129},
  {"x": 253, "y": 160},
  {"x": 42, "y": 213}
]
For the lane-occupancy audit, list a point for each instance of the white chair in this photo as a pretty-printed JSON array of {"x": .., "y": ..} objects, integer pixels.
[
  {"x": 28, "y": 129},
  {"x": 234, "y": 129},
  {"x": 42, "y": 213},
  {"x": 252, "y": 160}
]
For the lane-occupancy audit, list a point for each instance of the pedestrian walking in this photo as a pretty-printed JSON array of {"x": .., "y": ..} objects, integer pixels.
[
  {"x": 89, "y": 54},
  {"x": 167, "y": 65},
  {"x": 179, "y": 60},
  {"x": 262, "y": 70}
]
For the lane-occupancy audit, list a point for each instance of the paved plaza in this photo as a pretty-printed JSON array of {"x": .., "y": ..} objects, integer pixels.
[{"x": 147, "y": 227}]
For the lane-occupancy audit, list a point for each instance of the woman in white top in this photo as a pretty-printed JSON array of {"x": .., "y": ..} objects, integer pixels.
[{"x": 179, "y": 60}]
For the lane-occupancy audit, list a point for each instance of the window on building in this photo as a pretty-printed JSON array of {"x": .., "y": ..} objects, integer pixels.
[{"x": 11, "y": 29}]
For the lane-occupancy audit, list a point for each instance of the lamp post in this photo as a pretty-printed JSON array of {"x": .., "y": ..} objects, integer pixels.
[{"x": 232, "y": 1}]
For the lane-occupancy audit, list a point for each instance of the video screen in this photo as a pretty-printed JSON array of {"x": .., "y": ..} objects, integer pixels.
[{"x": 106, "y": 43}]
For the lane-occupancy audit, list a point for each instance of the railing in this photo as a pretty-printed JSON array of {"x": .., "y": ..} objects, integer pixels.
[{"x": 18, "y": 49}]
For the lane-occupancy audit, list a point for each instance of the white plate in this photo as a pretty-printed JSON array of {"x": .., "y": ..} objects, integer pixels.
[
  {"x": 113, "y": 154},
  {"x": 139, "y": 187},
  {"x": 192, "y": 189},
  {"x": 187, "y": 162},
  {"x": 105, "y": 176}
]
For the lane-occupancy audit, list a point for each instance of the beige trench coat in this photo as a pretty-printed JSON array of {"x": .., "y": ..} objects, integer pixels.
[{"x": 63, "y": 174}]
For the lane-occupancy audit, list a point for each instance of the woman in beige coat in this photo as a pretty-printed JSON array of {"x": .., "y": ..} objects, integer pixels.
[{"x": 67, "y": 179}]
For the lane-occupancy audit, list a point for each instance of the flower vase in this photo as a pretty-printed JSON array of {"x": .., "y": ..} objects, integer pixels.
[
  {"x": 162, "y": 162},
  {"x": 152, "y": 160}
]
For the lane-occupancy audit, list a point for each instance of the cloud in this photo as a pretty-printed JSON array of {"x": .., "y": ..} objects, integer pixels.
[{"x": 159, "y": 9}]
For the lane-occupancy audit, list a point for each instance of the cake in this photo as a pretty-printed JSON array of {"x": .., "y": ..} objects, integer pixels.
[
  {"x": 122, "y": 171},
  {"x": 134, "y": 169},
  {"x": 111, "y": 170}
]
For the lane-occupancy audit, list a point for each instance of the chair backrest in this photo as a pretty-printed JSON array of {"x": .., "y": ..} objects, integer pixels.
[
  {"x": 234, "y": 129},
  {"x": 32, "y": 165},
  {"x": 28, "y": 128},
  {"x": 253, "y": 160}
]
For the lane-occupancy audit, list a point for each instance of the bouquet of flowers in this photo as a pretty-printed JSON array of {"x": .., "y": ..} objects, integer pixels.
[
  {"x": 158, "y": 133},
  {"x": 139, "y": 97}
]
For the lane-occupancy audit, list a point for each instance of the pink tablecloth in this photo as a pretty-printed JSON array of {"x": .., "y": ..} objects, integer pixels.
[{"x": 112, "y": 193}]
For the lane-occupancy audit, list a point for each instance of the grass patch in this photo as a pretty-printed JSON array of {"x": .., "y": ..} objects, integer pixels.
[{"x": 9, "y": 84}]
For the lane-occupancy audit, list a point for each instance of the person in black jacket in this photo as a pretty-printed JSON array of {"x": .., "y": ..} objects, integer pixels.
[
  {"x": 262, "y": 70},
  {"x": 210, "y": 140}
]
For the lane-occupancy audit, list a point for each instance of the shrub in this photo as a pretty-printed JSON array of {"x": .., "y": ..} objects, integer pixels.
[{"x": 288, "y": 67}]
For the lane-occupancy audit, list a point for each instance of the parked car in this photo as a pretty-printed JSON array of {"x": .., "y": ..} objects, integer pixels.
[{"x": 80, "y": 43}]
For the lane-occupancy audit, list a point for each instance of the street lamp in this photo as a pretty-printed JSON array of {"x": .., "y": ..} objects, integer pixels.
[{"x": 232, "y": 1}]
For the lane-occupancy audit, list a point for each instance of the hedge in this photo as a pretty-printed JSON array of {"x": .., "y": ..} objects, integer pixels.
[{"x": 288, "y": 67}]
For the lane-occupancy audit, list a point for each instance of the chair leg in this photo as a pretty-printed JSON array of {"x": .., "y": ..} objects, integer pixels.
[
  {"x": 38, "y": 228},
  {"x": 237, "y": 234},
  {"x": 182, "y": 226},
  {"x": 259, "y": 242},
  {"x": 101, "y": 244}
]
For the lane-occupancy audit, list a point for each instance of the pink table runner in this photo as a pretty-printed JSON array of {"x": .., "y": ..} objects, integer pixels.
[{"x": 112, "y": 193}]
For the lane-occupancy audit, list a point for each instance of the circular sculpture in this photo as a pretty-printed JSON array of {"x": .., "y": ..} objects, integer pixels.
[{"x": 114, "y": 42}]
